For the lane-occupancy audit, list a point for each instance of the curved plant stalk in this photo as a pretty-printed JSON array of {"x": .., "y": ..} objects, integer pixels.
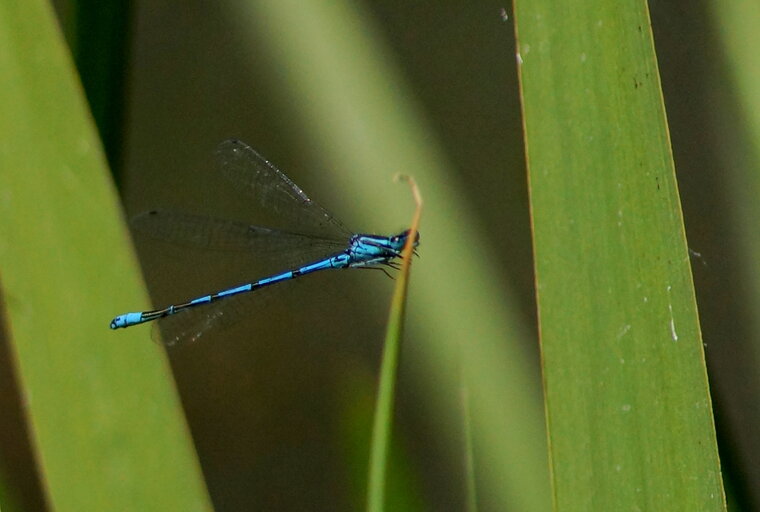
[{"x": 381, "y": 430}]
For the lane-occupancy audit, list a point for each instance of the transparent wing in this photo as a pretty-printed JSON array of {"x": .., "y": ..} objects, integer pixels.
[
  {"x": 198, "y": 231},
  {"x": 259, "y": 178}
]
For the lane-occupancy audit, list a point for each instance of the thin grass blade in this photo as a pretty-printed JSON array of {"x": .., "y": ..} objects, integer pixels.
[{"x": 381, "y": 430}]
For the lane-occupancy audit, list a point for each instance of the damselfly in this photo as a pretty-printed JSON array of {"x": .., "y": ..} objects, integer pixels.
[{"x": 318, "y": 233}]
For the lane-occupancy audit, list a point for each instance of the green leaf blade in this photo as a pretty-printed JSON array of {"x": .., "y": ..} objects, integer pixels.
[
  {"x": 628, "y": 408},
  {"x": 105, "y": 420}
]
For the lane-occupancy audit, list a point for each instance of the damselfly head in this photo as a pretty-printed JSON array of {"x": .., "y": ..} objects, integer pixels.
[{"x": 399, "y": 241}]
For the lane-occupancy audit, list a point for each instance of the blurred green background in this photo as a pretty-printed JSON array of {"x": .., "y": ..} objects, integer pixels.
[{"x": 279, "y": 408}]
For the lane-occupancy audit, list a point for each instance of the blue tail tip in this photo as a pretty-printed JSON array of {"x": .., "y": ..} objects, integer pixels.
[
  {"x": 117, "y": 322},
  {"x": 126, "y": 320}
]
